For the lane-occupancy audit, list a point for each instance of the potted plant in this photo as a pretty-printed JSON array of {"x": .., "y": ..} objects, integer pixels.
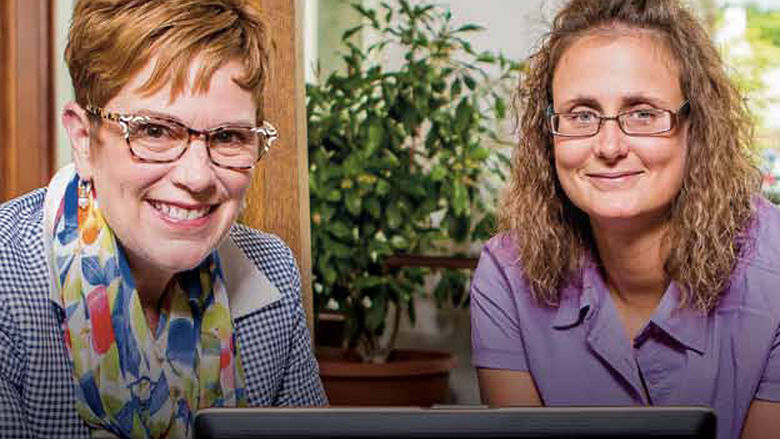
[{"x": 398, "y": 157}]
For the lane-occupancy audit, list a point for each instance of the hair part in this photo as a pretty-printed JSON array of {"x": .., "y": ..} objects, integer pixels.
[
  {"x": 713, "y": 209},
  {"x": 110, "y": 41}
]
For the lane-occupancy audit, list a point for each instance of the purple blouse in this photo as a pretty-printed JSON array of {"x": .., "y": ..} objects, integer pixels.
[{"x": 578, "y": 353}]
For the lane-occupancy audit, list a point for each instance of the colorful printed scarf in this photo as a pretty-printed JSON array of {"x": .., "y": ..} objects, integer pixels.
[{"x": 129, "y": 381}]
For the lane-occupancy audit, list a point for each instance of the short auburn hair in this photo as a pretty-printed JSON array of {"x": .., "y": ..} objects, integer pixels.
[{"x": 110, "y": 41}]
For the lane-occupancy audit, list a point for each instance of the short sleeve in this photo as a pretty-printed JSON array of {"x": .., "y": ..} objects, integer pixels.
[
  {"x": 496, "y": 339},
  {"x": 769, "y": 386}
]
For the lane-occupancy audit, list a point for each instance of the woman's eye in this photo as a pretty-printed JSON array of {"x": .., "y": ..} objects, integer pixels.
[
  {"x": 223, "y": 136},
  {"x": 583, "y": 117},
  {"x": 644, "y": 114},
  {"x": 154, "y": 130},
  {"x": 231, "y": 136}
]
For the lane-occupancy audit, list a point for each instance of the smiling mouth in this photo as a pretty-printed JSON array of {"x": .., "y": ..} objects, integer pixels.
[
  {"x": 179, "y": 213},
  {"x": 613, "y": 175}
]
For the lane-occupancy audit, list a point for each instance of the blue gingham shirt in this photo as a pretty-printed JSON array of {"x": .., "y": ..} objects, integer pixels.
[{"x": 37, "y": 397}]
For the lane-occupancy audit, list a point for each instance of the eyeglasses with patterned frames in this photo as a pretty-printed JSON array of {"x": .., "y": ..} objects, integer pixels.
[
  {"x": 160, "y": 140},
  {"x": 641, "y": 122}
]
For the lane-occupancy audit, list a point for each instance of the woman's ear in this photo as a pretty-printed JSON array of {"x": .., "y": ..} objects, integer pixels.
[{"x": 76, "y": 123}]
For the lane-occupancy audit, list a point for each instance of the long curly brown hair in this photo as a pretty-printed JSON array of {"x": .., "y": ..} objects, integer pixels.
[{"x": 714, "y": 207}]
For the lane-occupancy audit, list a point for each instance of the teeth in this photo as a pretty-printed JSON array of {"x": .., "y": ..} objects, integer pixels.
[{"x": 180, "y": 214}]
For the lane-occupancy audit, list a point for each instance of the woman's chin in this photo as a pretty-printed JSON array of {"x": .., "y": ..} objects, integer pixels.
[{"x": 179, "y": 258}]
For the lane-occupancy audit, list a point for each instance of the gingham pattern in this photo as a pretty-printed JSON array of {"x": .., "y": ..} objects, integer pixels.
[{"x": 36, "y": 384}]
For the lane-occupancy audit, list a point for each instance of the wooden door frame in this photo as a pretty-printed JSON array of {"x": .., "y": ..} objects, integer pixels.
[
  {"x": 278, "y": 201},
  {"x": 26, "y": 96}
]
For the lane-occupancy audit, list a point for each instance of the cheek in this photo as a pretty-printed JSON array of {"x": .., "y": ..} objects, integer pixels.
[
  {"x": 669, "y": 157},
  {"x": 237, "y": 185},
  {"x": 569, "y": 156},
  {"x": 568, "y": 159}
]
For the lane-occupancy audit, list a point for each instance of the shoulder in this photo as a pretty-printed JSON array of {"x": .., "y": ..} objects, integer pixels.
[
  {"x": 24, "y": 278},
  {"x": 21, "y": 219},
  {"x": 501, "y": 251},
  {"x": 270, "y": 254},
  {"x": 499, "y": 276},
  {"x": 766, "y": 235},
  {"x": 23, "y": 270},
  {"x": 757, "y": 277}
]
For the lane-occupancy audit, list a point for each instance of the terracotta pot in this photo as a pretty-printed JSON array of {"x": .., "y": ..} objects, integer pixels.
[{"x": 409, "y": 378}]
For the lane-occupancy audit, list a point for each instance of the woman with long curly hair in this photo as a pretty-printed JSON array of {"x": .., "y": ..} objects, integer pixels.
[{"x": 637, "y": 263}]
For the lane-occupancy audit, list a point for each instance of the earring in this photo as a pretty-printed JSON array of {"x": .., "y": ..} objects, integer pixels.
[{"x": 85, "y": 193}]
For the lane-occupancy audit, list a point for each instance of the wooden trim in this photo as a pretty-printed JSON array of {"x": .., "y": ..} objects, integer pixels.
[
  {"x": 278, "y": 201},
  {"x": 26, "y": 96},
  {"x": 456, "y": 262}
]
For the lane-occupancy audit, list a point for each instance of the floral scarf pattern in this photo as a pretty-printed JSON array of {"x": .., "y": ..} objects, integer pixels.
[{"x": 130, "y": 381}]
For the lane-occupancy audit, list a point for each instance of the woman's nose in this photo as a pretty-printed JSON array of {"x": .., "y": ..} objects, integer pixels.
[
  {"x": 610, "y": 141},
  {"x": 194, "y": 169}
]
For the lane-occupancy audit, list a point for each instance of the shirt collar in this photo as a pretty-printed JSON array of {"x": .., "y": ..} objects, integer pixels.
[
  {"x": 248, "y": 288},
  {"x": 581, "y": 299},
  {"x": 686, "y": 325}
]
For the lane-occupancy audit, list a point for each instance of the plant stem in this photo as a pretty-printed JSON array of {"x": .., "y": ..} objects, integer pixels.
[{"x": 393, "y": 331}]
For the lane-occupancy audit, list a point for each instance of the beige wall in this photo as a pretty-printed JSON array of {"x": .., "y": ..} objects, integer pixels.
[{"x": 63, "y": 91}]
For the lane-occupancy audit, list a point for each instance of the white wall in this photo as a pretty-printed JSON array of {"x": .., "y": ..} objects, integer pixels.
[
  {"x": 310, "y": 32},
  {"x": 512, "y": 27},
  {"x": 63, "y": 91}
]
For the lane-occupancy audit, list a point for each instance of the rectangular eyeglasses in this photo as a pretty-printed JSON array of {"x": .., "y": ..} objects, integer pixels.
[
  {"x": 642, "y": 122},
  {"x": 160, "y": 140}
]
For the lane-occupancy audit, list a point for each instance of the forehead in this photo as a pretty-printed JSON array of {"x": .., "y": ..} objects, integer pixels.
[
  {"x": 617, "y": 64},
  {"x": 220, "y": 100}
]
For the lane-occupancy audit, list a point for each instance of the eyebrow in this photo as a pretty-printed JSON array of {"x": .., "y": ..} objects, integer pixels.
[
  {"x": 581, "y": 100},
  {"x": 637, "y": 99},
  {"x": 625, "y": 101},
  {"x": 170, "y": 117}
]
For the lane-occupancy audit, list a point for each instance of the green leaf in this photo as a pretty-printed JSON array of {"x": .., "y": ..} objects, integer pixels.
[
  {"x": 334, "y": 195},
  {"x": 470, "y": 82},
  {"x": 486, "y": 57},
  {"x": 353, "y": 203},
  {"x": 455, "y": 88},
  {"x": 351, "y": 31},
  {"x": 329, "y": 274},
  {"x": 340, "y": 250},
  {"x": 391, "y": 159},
  {"x": 393, "y": 213},
  {"x": 372, "y": 205},
  {"x": 480, "y": 153},
  {"x": 438, "y": 173},
  {"x": 500, "y": 108},
  {"x": 463, "y": 114},
  {"x": 382, "y": 187},
  {"x": 339, "y": 229},
  {"x": 469, "y": 28},
  {"x": 485, "y": 228},
  {"x": 376, "y": 134},
  {"x": 399, "y": 242},
  {"x": 460, "y": 198}
]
